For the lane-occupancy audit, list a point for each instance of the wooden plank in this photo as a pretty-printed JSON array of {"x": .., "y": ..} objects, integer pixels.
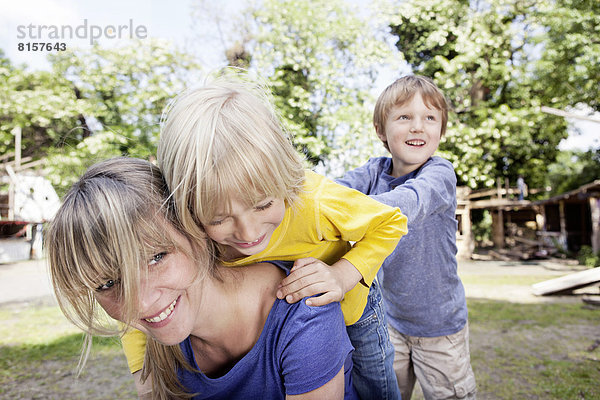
[
  {"x": 526, "y": 241},
  {"x": 7, "y": 155},
  {"x": 567, "y": 282},
  {"x": 30, "y": 165},
  {"x": 482, "y": 193},
  {"x": 499, "y": 256},
  {"x": 498, "y": 203},
  {"x": 591, "y": 299}
]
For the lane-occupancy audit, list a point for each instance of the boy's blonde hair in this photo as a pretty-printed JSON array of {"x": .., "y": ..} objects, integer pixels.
[
  {"x": 111, "y": 223},
  {"x": 403, "y": 90},
  {"x": 225, "y": 139}
]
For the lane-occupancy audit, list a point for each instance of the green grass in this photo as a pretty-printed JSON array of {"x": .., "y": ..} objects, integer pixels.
[
  {"x": 33, "y": 325},
  {"x": 500, "y": 314},
  {"x": 39, "y": 353},
  {"x": 66, "y": 348},
  {"x": 518, "y": 351},
  {"x": 534, "y": 351},
  {"x": 42, "y": 332}
]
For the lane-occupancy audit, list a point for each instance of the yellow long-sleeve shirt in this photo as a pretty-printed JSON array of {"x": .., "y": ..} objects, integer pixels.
[{"x": 323, "y": 221}]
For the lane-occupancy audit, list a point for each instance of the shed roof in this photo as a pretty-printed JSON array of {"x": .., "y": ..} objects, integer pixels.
[{"x": 586, "y": 191}]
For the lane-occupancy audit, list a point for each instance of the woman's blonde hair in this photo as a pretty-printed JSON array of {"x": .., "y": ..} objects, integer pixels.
[
  {"x": 403, "y": 90},
  {"x": 111, "y": 223},
  {"x": 225, "y": 139}
]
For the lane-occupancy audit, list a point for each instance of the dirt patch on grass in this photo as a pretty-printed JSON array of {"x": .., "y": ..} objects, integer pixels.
[
  {"x": 105, "y": 377},
  {"x": 527, "y": 356},
  {"x": 45, "y": 367}
]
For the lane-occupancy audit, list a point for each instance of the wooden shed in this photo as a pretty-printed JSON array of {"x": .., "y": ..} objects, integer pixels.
[
  {"x": 565, "y": 222},
  {"x": 573, "y": 217}
]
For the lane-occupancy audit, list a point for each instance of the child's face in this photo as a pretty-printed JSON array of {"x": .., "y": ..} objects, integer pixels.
[
  {"x": 246, "y": 230},
  {"x": 412, "y": 132},
  {"x": 169, "y": 295}
]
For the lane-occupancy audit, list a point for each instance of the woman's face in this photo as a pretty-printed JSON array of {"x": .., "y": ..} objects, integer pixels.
[{"x": 169, "y": 294}]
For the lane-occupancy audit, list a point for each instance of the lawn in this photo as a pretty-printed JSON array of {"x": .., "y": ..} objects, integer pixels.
[
  {"x": 519, "y": 351},
  {"x": 534, "y": 351},
  {"x": 39, "y": 353}
]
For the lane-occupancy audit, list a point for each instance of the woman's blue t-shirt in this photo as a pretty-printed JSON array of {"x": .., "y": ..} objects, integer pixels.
[{"x": 300, "y": 349}]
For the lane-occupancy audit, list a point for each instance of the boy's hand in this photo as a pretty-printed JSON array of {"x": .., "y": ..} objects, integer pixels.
[{"x": 310, "y": 276}]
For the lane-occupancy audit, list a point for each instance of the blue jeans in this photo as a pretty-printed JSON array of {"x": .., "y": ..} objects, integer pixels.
[{"x": 373, "y": 357}]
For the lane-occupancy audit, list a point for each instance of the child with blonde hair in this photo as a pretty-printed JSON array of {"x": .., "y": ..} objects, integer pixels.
[
  {"x": 235, "y": 175},
  {"x": 215, "y": 332}
]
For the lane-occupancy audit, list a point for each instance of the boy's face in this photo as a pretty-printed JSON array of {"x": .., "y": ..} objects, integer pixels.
[
  {"x": 412, "y": 132},
  {"x": 244, "y": 229}
]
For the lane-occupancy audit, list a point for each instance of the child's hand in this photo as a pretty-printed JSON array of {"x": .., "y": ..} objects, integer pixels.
[{"x": 310, "y": 276}]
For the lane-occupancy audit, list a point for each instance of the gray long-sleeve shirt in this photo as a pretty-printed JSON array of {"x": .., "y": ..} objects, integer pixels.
[{"x": 423, "y": 293}]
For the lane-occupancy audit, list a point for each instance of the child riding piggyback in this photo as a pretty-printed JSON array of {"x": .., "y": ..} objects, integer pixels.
[{"x": 235, "y": 175}]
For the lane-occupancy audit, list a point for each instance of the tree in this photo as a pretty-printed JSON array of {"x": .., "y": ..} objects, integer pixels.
[
  {"x": 482, "y": 54},
  {"x": 42, "y": 105},
  {"x": 573, "y": 169},
  {"x": 569, "y": 68},
  {"x": 127, "y": 86},
  {"x": 321, "y": 60},
  {"x": 96, "y": 103},
  {"x": 125, "y": 90}
]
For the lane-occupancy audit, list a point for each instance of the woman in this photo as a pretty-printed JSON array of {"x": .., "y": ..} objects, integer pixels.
[{"x": 217, "y": 332}]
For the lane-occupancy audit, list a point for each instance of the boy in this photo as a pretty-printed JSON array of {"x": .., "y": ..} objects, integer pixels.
[{"x": 424, "y": 297}]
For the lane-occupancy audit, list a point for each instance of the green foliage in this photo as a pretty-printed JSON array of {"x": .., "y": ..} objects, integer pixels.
[
  {"x": 496, "y": 61},
  {"x": 587, "y": 257},
  {"x": 573, "y": 169},
  {"x": 96, "y": 103},
  {"x": 569, "y": 68},
  {"x": 65, "y": 164},
  {"x": 481, "y": 226},
  {"x": 321, "y": 59},
  {"x": 124, "y": 90},
  {"x": 43, "y": 105},
  {"x": 127, "y": 86}
]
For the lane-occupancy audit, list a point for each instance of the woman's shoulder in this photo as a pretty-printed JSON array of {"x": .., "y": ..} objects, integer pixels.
[
  {"x": 264, "y": 277},
  {"x": 261, "y": 276},
  {"x": 301, "y": 317}
]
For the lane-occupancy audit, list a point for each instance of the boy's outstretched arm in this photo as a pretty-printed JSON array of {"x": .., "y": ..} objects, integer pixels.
[
  {"x": 431, "y": 192},
  {"x": 311, "y": 276}
]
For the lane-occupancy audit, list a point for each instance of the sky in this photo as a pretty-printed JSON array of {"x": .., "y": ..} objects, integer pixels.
[
  {"x": 583, "y": 134},
  {"x": 159, "y": 19},
  {"x": 22, "y": 20}
]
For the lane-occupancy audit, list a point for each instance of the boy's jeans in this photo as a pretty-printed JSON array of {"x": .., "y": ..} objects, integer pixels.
[{"x": 373, "y": 357}]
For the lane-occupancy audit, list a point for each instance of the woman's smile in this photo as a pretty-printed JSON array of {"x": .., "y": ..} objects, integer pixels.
[{"x": 162, "y": 316}]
